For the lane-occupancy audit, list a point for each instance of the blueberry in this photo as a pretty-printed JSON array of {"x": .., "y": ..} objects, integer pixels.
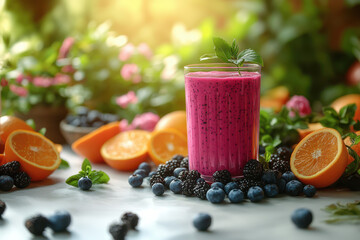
[
  {"x": 281, "y": 185},
  {"x": 294, "y": 188},
  {"x": 145, "y": 166},
  {"x": 269, "y": 177},
  {"x": 202, "y": 221},
  {"x": 177, "y": 171},
  {"x": 59, "y": 221},
  {"x": 158, "y": 189},
  {"x": 217, "y": 184},
  {"x": 215, "y": 195},
  {"x": 236, "y": 196},
  {"x": 135, "y": 180},
  {"x": 152, "y": 173},
  {"x": 6, "y": 183},
  {"x": 168, "y": 180},
  {"x": 302, "y": 217},
  {"x": 141, "y": 172},
  {"x": 81, "y": 111},
  {"x": 84, "y": 183},
  {"x": 288, "y": 176},
  {"x": 309, "y": 190},
  {"x": 230, "y": 186},
  {"x": 175, "y": 186},
  {"x": 255, "y": 194},
  {"x": 271, "y": 190},
  {"x": 93, "y": 116}
]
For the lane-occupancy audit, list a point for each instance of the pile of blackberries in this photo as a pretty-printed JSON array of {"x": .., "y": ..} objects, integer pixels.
[{"x": 11, "y": 174}]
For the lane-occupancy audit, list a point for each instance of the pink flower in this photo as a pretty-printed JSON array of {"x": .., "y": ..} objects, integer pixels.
[
  {"x": 42, "y": 81},
  {"x": 65, "y": 47},
  {"x": 124, "y": 100},
  {"x": 3, "y": 82},
  {"x": 145, "y": 50},
  {"x": 298, "y": 104},
  {"x": 68, "y": 69},
  {"x": 20, "y": 91},
  {"x": 61, "y": 79},
  {"x": 21, "y": 77},
  {"x": 146, "y": 121},
  {"x": 126, "y": 52},
  {"x": 130, "y": 71}
]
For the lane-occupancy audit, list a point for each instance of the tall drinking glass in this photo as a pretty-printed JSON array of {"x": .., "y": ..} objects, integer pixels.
[{"x": 222, "y": 107}]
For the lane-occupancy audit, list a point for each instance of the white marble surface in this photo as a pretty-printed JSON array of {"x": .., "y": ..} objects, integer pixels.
[{"x": 166, "y": 217}]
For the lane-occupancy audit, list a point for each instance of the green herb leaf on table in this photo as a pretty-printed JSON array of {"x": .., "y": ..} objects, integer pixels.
[
  {"x": 42, "y": 131},
  {"x": 341, "y": 213},
  {"x": 96, "y": 176},
  {"x": 64, "y": 164}
]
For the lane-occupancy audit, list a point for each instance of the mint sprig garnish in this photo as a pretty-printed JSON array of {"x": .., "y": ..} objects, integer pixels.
[
  {"x": 97, "y": 177},
  {"x": 232, "y": 54},
  {"x": 64, "y": 164},
  {"x": 341, "y": 213}
]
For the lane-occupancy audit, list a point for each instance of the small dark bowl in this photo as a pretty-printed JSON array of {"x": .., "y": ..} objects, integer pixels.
[{"x": 72, "y": 133}]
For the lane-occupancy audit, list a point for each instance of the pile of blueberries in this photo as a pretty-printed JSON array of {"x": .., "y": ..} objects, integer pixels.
[
  {"x": 256, "y": 184},
  {"x": 84, "y": 117}
]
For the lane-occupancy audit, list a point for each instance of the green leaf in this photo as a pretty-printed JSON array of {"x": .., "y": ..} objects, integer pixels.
[
  {"x": 99, "y": 177},
  {"x": 86, "y": 166},
  {"x": 208, "y": 57},
  {"x": 42, "y": 131},
  {"x": 64, "y": 164},
  {"x": 250, "y": 56},
  {"x": 73, "y": 180},
  {"x": 234, "y": 48},
  {"x": 341, "y": 213},
  {"x": 31, "y": 123},
  {"x": 354, "y": 165},
  {"x": 223, "y": 49}
]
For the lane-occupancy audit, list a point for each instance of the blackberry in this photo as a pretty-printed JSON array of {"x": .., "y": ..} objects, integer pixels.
[
  {"x": 172, "y": 165},
  {"x": 37, "y": 224},
  {"x": 245, "y": 184},
  {"x": 183, "y": 175},
  {"x": 10, "y": 168},
  {"x": 201, "y": 189},
  {"x": 185, "y": 163},
  {"x": 284, "y": 153},
  {"x": 253, "y": 170},
  {"x": 193, "y": 175},
  {"x": 223, "y": 176},
  {"x": 21, "y": 180},
  {"x": 130, "y": 219},
  {"x": 2, "y": 208},
  {"x": 156, "y": 178},
  {"x": 164, "y": 171},
  {"x": 187, "y": 187},
  {"x": 118, "y": 231},
  {"x": 178, "y": 157},
  {"x": 281, "y": 166}
]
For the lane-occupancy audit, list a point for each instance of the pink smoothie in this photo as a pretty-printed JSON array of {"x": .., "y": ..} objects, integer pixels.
[{"x": 222, "y": 120}]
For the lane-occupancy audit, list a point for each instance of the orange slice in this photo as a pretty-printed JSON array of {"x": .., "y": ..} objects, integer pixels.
[
  {"x": 320, "y": 158},
  {"x": 89, "y": 145},
  {"x": 166, "y": 143},
  {"x": 37, "y": 154},
  {"x": 126, "y": 150},
  {"x": 175, "y": 120}
]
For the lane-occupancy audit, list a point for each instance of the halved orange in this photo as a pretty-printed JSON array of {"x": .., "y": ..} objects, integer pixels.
[
  {"x": 126, "y": 150},
  {"x": 166, "y": 143},
  {"x": 89, "y": 145},
  {"x": 37, "y": 154},
  {"x": 320, "y": 158}
]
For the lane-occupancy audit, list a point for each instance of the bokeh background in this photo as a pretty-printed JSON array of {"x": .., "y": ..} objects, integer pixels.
[{"x": 66, "y": 53}]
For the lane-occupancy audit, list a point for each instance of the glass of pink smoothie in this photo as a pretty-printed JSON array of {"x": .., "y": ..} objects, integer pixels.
[{"x": 222, "y": 110}]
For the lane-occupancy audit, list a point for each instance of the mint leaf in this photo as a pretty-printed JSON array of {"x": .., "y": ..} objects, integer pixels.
[
  {"x": 98, "y": 177},
  {"x": 42, "y": 131},
  {"x": 249, "y": 56},
  {"x": 234, "y": 48},
  {"x": 31, "y": 123},
  {"x": 208, "y": 56},
  {"x": 64, "y": 164},
  {"x": 223, "y": 49},
  {"x": 86, "y": 166},
  {"x": 341, "y": 213},
  {"x": 73, "y": 180}
]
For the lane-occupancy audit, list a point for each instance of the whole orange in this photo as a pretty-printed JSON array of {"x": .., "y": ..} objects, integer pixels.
[
  {"x": 8, "y": 124},
  {"x": 175, "y": 120},
  {"x": 348, "y": 99}
]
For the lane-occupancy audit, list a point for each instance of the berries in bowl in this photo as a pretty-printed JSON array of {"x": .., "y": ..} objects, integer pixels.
[{"x": 82, "y": 122}]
